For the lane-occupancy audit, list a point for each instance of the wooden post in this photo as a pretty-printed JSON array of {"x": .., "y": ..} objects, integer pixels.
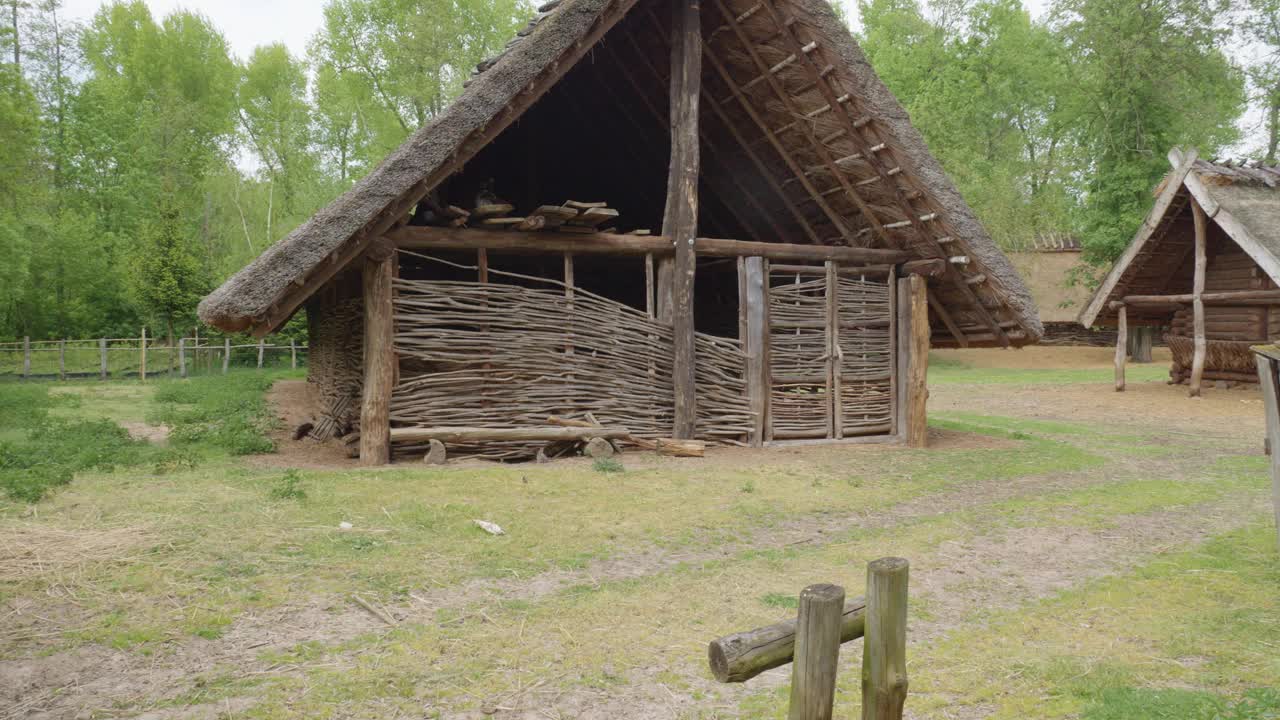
[
  {"x": 293, "y": 354},
  {"x": 262, "y": 345},
  {"x": 102, "y": 359},
  {"x": 680, "y": 219},
  {"x": 26, "y": 358},
  {"x": 182, "y": 357},
  {"x": 1122, "y": 344},
  {"x": 379, "y": 355},
  {"x": 649, "y": 288},
  {"x": 1270, "y": 385},
  {"x": 482, "y": 265},
  {"x": 757, "y": 349},
  {"x": 884, "y": 655},
  {"x": 817, "y": 658},
  {"x": 913, "y": 360},
  {"x": 1197, "y": 302},
  {"x": 62, "y": 359},
  {"x": 835, "y": 407},
  {"x": 142, "y": 363}
]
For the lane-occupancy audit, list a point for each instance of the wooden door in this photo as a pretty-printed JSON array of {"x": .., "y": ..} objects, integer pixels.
[{"x": 830, "y": 354}]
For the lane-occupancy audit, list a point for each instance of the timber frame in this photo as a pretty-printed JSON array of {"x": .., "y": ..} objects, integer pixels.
[
  {"x": 1199, "y": 205},
  {"x": 778, "y": 133}
]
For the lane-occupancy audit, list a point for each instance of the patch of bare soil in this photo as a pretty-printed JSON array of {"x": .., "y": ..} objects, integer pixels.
[
  {"x": 158, "y": 434},
  {"x": 293, "y": 402}
]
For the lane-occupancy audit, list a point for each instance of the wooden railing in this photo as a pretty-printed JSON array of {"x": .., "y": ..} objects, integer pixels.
[
  {"x": 140, "y": 357},
  {"x": 811, "y": 643}
]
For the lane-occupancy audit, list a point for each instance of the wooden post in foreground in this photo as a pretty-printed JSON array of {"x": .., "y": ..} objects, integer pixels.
[
  {"x": 1270, "y": 385},
  {"x": 379, "y": 355},
  {"x": 226, "y": 355},
  {"x": 1122, "y": 345},
  {"x": 142, "y": 363},
  {"x": 26, "y": 358},
  {"x": 913, "y": 328},
  {"x": 102, "y": 359},
  {"x": 884, "y": 658},
  {"x": 182, "y": 357},
  {"x": 817, "y": 653},
  {"x": 680, "y": 219},
  {"x": 1197, "y": 302}
]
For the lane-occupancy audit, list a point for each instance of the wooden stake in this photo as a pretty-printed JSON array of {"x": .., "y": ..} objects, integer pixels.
[
  {"x": 680, "y": 219},
  {"x": 102, "y": 359},
  {"x": 293, "y": 354},
  {"x": 142, "y": 366},
  {"x": 226, "y": 355},
  {"x": 1197, "y": 302},
  {"x": 884, "y": 655},
  {"x": 26, "y": 358},
  {"x": 817, "y": 653},
  {"x": 835, "y": 408},
  {"x": 379, "y": 356},
  {"x": 182, "y": 357},
  {"x": 913, "y": 311},
  {"x": 62, "y": 359},
  {"x": 1122, "y": 345},
  {"x": 1270, "y": 385},
  {"x": 649, "y": 283},
  {"x": 482, "y": 264},
  {"x": 261, "y": 346}
]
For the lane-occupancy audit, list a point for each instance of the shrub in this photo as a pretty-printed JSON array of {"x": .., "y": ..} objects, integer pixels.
[
  {"x": 55, "y": 450},
  {"x": 227, "y": 413},
  {"x": 607, "y": 465},
  {"x": 288, "y": 486}
]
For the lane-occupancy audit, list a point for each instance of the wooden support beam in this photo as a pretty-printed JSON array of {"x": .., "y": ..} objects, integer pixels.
[
  {"x": 514, "y": 242},
  {"x": 379, "y": 355},
  {"x": 1122, "y": 346},
  {"x": 1197, "y": 302},
  {"x": 913, "y": 329},
  {"x": 835, "y": 407},
  {"x": 1226, "y": 297},
  {"x": 680, "y": 219},
  {"x": 757, "y": 345}
]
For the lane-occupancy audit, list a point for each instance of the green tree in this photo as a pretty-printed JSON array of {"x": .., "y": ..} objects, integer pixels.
[
  {"x": 1261, "y": 26},
  {"x": 1149, "y": 75},
  {"x": 168, "y": 278},
  {"x": 276, "y": 116}
]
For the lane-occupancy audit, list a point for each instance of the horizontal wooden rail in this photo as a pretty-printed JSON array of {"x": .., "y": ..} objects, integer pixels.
[
  {"x": 742, "y": 656},
  {"x": 433, "y": 238},
  {"x": 530, "y": 434},
  {"x": 1226, "y": 298}
]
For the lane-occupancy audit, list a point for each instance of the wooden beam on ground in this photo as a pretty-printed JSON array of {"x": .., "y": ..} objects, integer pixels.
[
  {"x": 680, "y": 219},
  {"x": 449, "y": 435},
  {"x": 1197, "y": 302},
  {"x": 1122, "y": 345},
  {"x": 379, "y": 356},
  {"x": 741, "y": 656},
  {"x": 435, "y": 238}
]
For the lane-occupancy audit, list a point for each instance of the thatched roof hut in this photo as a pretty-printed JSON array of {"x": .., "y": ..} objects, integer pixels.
[
  {"x": 1204, "y": 265},
  {"x": 779, "y": 135}
]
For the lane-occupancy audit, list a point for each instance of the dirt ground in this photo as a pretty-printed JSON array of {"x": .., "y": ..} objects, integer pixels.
[{"x": 989, "y": 567}]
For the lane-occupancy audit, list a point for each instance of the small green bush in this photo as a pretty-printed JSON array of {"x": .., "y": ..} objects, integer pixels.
[
  {"x": 607, "y": 465},
  {"x": 288, "y": 486},
  {"x": 226, "y": 413},
  {"x": 55, "y": 450}
]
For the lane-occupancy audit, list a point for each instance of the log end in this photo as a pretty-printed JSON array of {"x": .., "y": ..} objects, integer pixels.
[{"x": 718, "y": 661}]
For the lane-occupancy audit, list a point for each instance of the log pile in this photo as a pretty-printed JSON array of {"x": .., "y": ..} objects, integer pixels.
[
  {"x": 1228, "y": 361},
  {"x": 572, "y": 216}
]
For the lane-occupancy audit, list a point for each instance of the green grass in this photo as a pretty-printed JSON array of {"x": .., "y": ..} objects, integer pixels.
[{"x": 949, "y": 371}]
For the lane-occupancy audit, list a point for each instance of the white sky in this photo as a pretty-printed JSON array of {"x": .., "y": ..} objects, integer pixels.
[{"x": 250, "y": 23}]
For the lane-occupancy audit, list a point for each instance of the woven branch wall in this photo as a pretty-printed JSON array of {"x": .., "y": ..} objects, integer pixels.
[{"x": 499, "y": 355}]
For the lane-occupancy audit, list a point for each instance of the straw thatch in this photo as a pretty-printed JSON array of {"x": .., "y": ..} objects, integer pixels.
[{"x": 897, "y": 185}]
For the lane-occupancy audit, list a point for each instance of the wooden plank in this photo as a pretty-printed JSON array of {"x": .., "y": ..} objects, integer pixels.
[
  {"x": 1270, "y": 386},
  {"x": 757, "y": 338},
  {"x": 379, "y": 356},
  {"x": 817, "y": 652},
  {"x": 680, "y": 218},
  {"x": 884, "y": 654},
  {"x": 1197, "y": 303},
  {"x": 1122, "y": 345},
  {"x": 916, "y": 380},
  {"x": 434, "y": 238}
]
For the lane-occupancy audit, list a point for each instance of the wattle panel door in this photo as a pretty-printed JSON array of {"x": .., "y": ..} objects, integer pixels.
[
  {"x": 800, "y": 406},
  {"x": 865, "y": 388}
]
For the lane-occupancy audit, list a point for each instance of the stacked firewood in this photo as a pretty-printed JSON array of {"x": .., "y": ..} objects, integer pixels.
[{"x": 493, "y": 213}]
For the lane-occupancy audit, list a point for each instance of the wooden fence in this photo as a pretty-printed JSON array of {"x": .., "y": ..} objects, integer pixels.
[
  {"x": 142, "y": 357},
  {"x": 811, "y": 643}
]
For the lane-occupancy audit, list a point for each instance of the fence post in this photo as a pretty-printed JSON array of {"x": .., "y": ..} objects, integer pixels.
[
  {"x": 293, "y": 354},
  {"x": 26, "y": 358},
  {"x": 261, "y": 345},
  {"x": 62, "y": 359},
  {"x": 817, "y": 653},
  {"x": 226, "y": 355},
  {"x": 884, "y": 655},
  {"x": 102, "y": 359},
  {"x": 182, "y": 357}
]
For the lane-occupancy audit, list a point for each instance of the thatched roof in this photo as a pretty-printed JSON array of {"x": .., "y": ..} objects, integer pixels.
[
  {"x": 850, "y": 172},
  {"x": 1242, "y": 200}
]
